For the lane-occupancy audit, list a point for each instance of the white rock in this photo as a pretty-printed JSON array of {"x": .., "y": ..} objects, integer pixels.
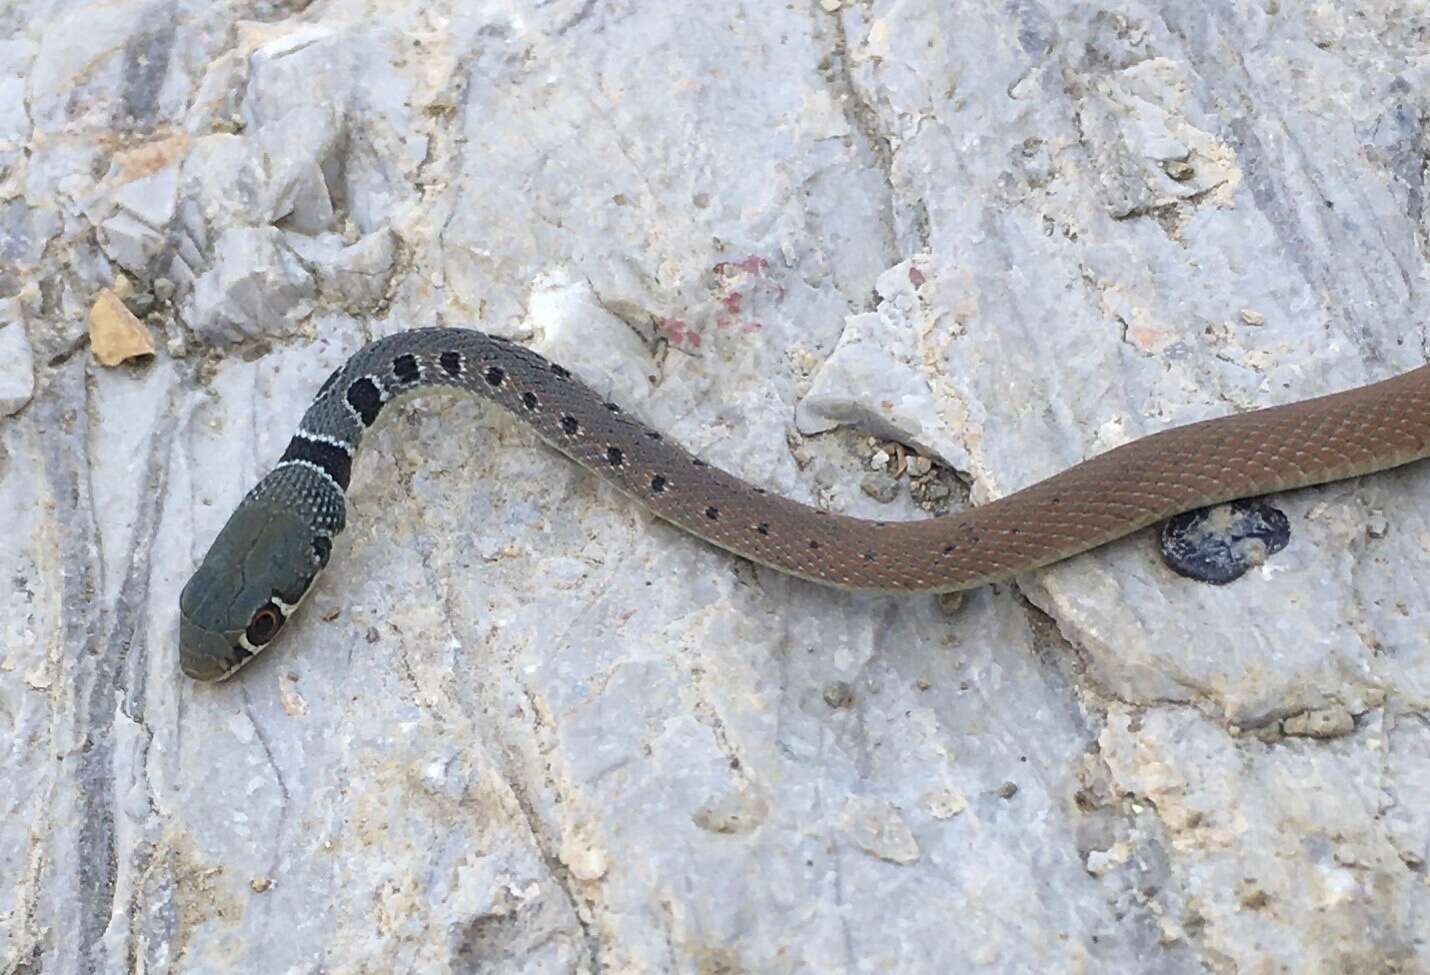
[
  {"x": 255, "y": 287},
  {"x": 545, "y": 732},
  {"x": 17, "y": 362},
  {"x": 130, "y": 243}
]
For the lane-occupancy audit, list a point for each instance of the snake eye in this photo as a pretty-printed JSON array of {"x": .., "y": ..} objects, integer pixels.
[{"x": 264, "y": 625}]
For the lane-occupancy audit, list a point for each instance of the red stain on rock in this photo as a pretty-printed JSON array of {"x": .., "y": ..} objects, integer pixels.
[
  {"x": 753, "y": 264},
  {"x": 678, "y": 333},
  {"x": 916, "y": 277}
]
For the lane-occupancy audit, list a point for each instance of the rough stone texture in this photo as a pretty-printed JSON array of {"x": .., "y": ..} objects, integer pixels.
[
  {"x": 17, "y": 361},
  {"x": 522, "y": 726}
]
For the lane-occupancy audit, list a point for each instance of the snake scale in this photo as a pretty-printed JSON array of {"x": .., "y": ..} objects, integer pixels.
[{"x": 267, "y": 556}]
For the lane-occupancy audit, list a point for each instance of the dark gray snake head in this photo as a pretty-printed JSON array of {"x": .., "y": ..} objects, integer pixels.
[{"x": 255, "y": 574}]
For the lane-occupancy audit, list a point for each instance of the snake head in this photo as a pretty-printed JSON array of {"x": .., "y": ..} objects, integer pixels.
[{"x": 253, "y": 577}]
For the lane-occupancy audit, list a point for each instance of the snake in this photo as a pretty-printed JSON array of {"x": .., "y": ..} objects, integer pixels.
[{"x": 269, "y": 553}]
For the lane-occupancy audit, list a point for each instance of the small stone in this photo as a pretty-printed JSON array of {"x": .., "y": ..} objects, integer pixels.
[
  {"x": 1100, "y": 862},
  {"x": 1331, "y": 722},
  {"x": 930, "y": 491},
  {"x": 260, "y": 884},
  {"x": 838, "y": 694},
  {"x": 949, "y": 603},
  {"x": 585, "y": 862},
  {"x": 1179, "y": 169},
  {"x": 163, "y": 289},
  {"x": 881, "y": 487},
  {"x": 372, "y": 634},
  {"x": 878, "y": 827},
  {"x": 880, "y": 460},
  {"x": 1377, "y": 525},
  {"x": 919, "y": 466},
  {"x": 115, "y": 334},
  {"x": 1252, "y": 317},
  {"x": 830, "y": 6},
  {"x": 1007, "y": 790},
  {"x": 944, "y": 803}
]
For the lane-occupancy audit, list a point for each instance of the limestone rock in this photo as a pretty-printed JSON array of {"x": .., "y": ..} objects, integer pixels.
[
  {"x": 257, "y": 286},
  {"x": 17, "y": 362},
  {"x": 523, "y": 726}
]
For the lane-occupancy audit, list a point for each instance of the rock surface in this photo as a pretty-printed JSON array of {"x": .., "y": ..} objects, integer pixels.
[{"x": 524, "y": 727}]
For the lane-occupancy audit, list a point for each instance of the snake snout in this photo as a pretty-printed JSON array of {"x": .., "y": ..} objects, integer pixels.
[{"x": 206, "y": 655}]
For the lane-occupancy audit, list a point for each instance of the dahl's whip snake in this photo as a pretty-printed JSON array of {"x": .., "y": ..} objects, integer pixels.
[{"x": 265, "y": 559}]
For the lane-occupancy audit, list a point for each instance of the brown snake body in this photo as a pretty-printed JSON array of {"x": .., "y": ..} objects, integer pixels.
[{"x": 266, "y": 558}]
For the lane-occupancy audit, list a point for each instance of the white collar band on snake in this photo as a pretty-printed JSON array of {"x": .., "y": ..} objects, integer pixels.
[{"x": 266, "y": 558}]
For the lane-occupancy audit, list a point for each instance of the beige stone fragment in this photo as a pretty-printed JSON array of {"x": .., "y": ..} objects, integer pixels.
[
  {"x": 1330, "y": 722},
  {"x": 114, "y": 333}
]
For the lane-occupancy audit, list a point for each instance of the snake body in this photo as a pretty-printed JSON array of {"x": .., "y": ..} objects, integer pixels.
[{"x": 266, "y": 558}]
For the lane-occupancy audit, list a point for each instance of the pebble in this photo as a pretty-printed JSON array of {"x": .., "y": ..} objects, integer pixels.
[
  {"x": 1377, "y": 525},
  {"x": 838, "y": 694},
  {"x": 881, "y": 487},
  {"x": 115, "y": 334}
]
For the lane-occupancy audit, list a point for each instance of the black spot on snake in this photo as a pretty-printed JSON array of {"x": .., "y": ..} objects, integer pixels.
[
  {"x": 697, "y": 462},
  {"x": 613, "y": 407},
  {"x": 495, "y": 376},
  {"x": 713, "y": 513},
  {"x": 571, "y": 425},
  {"x": 652, "y": 435},
  {"x": 405, "y": 368},
  {"x": 365, "y": 399},
  {"x": 949, "y": 549},
  {"x": 322, "y": 549},
  {"x": 333, "y": 460},
  {"x": 451, "y": 363},
  {"x": 528, "y": 400},
  {"x": 763, "y": 528},
  {"x": 658, "y": 483},
  {"x": 615, "y": 457},
  {"x": 813, "y": 544},
  {"x": 560, "y": 372},
  {"x": 868, "y": 556}
]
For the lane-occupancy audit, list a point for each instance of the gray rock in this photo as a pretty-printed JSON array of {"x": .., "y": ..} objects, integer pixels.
[
  {"x": 523, "y": 725},
  {"x": 17, "y": 362},
  {"x": 151, "y": 198},
  {"x": 130, "y": 243},
  {"x": 256, "y": 287},
  {"x": 354, "y": 277}
]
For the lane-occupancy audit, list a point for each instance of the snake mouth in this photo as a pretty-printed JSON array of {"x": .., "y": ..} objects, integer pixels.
[{"x": 208, "y": 656}]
